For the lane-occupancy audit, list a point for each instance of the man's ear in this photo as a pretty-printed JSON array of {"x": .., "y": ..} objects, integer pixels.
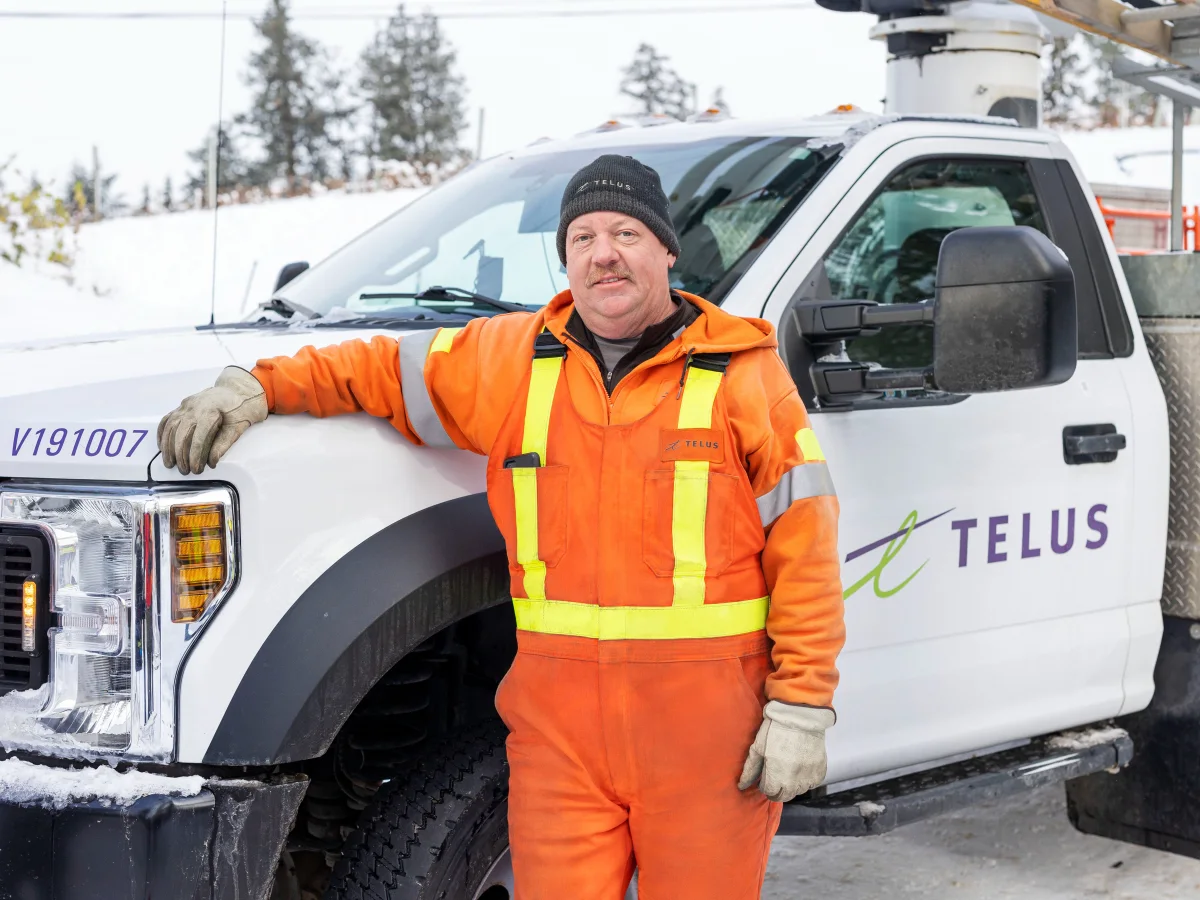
[{"x": 670, "y": 261}]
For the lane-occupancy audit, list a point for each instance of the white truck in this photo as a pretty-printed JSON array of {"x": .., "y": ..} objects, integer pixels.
[{"x": 275, "y": 679}]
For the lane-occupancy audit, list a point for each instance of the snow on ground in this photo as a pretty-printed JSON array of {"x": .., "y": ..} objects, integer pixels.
[
  {"x": 1019, "y": 849},
  {"x": 144, "y": 272},
  {"x": 29, "y": 784},
  {"x": 1137, "y": 157}
]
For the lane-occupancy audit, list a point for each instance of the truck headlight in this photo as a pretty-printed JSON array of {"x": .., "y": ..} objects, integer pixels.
[{"x": 137, "y": 575}]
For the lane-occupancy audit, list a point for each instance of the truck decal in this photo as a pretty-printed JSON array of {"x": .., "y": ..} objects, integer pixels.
[
  {"x": 48, "y": 441},
  {"x": 895, "y": 543}
]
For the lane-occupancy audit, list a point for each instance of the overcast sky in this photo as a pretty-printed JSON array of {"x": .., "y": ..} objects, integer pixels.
[{"x": 145, "y": 91}]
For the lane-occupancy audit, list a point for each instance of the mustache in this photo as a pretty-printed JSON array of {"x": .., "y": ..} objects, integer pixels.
[{"x": 598, "y": 274}]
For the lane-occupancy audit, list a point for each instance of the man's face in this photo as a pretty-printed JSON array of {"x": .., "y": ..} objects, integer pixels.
[{"x": 615, "y": 265}]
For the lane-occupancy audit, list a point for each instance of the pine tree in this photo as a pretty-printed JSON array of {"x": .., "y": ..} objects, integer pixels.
[
  {"x": 415, "y": 97},
  {"x": 292, "y": 82},
  {"x": 80, "y": 193},
  {"x": 168, "y": 195},
  {"x": 144, "y": 209},
  {"x": 233, "y": 170},
  {"x": 656, "y": 87},
  {"x": 1065, "y": 89}
]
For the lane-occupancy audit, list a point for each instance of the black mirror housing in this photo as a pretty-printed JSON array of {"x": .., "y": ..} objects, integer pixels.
[
  {"x": 288, "y": 273},
  {"x": 1004, "y": 311}
]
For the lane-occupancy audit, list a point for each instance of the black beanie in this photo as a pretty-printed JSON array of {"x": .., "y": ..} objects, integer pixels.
[{"x": 617, "y": 184}]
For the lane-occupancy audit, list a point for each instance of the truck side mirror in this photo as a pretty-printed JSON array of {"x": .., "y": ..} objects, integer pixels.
[
  {"x": 1003, "y": 311},
  {"x": 288, "y": 273}
]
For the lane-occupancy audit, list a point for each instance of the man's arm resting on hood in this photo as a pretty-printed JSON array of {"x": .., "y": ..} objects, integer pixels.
[
  {"x": 799, "y": 509},
  {"x": 424, "y": 384}
]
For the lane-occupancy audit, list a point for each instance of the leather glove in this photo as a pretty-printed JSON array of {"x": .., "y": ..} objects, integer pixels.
[
  {"x": 206, "y": 424},
  {"x": 788, "y": 755}
]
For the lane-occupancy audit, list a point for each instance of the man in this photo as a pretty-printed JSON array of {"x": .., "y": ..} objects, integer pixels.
[{"x": 655, "y": 477}]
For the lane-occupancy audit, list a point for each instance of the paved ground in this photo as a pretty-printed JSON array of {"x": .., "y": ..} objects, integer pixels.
[{"x": 1023, "y": 849}]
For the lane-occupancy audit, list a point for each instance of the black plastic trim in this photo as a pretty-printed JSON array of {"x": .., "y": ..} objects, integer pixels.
[
  {"x": 383, "y": 598},
  {"x": 882, "y": 807},
  {"x": 1112, "y": 307}
]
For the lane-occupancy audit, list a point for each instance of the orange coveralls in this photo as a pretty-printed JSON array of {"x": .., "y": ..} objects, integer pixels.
[{"x": 644, "y": 540}]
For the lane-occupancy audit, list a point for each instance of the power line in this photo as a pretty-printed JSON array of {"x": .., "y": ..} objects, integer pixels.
[{"x": 344, "y": 15}]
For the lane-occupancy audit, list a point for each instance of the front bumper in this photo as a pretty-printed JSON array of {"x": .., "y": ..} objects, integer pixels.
[{"x": 222, "y": 844}]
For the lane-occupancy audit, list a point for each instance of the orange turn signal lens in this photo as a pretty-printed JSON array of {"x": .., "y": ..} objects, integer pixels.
[
  {"x": 199, "y": 561},
  {"x": 29, "y": 594}
]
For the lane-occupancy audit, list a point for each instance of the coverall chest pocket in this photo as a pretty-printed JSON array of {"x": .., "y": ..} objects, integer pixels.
[
  {"x": 688, "y": 515},
  {"x": 538, "y": 528}
]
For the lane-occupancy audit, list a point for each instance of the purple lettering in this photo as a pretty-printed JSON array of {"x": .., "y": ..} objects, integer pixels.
[
  {"x": 141, "y": 433},
  {"x": 1101, "y": 528},
  {"x": 963, "y": 527},
  {"x": 996, "y": 537},
  {"x": 1027, "y": 552},
  {"x": 78, "y": 435},
  {"x": 1054, "y": 544},
  {"x": 17, "y": 445},
  {"x": 41, "y": 433},
  {"x": 101, "y": 433}
]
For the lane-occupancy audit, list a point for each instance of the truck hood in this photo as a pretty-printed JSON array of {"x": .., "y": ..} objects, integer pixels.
[{"x": 88, "y": 408}]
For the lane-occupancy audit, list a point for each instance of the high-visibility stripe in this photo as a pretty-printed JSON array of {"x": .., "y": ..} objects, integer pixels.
[
  {"x": 445, "y": 337},
  {"x": 798, "y": 483},
  {"x": 689, "y": 508},
  {"x": 414, "y": 350},
  {"x": 810, "y": 446},
  {"x": 645, "y": 623},
  {"x": 542, "y": 383}
]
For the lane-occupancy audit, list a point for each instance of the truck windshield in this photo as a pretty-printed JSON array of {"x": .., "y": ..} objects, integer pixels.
[{"x": 491, "y": 229}]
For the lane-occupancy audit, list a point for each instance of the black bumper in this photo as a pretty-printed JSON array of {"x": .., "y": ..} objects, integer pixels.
[{"x": 223, "y": 843}]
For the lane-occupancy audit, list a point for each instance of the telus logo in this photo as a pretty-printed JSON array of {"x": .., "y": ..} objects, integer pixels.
[{"x": 1061, "y": 535}]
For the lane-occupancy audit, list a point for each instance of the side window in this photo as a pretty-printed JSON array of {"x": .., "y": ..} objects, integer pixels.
[{"x": 889, "y": 253}]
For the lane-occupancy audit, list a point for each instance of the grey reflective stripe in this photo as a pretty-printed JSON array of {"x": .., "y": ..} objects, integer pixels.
[
  {"x": 414, "y": 348},
  {"x": 798, "y": 483}
]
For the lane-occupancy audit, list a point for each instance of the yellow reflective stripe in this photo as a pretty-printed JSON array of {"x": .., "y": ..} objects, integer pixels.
[
  {"x": 525, "y": 498},
  {"x": 689, "y": 508},
  {"x": 641, "y": 623},
  {"x": 445, "y": 337},
  {"x": 542, "y": 382},
  {"x": 810, "y": 446}
]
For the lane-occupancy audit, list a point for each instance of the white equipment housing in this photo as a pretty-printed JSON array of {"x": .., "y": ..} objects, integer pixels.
[{"x": 979, "y": 59}]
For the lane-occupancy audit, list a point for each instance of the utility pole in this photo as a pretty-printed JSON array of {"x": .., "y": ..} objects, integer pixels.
[
  {"x": 97, "y": 185},
  {"x": 1178, "y": 112},
  {"x": 479, "y": 137}
]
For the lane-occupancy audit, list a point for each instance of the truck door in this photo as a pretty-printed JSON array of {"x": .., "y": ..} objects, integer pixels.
[{"x": 984, "y": 566}]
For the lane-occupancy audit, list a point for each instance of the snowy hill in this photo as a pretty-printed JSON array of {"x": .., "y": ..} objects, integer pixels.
[{"x": 157, "y": 271}]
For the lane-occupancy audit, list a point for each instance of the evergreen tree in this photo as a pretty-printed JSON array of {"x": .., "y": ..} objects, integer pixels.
[
  {"x": 80, "y": 193},
  {"x": 415, "y": 97},
  {"x": 144, "y": 209},
  {"x": 168, "y": 195},
  {"x": 656, "y": 87},
  {"x": 233, "y": 170},
  {"x": 292, "y": 82},
  {"x": 1066, "y": 94}
]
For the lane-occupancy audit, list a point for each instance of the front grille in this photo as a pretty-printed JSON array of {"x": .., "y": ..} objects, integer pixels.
[{"x": 23, "y": 552}]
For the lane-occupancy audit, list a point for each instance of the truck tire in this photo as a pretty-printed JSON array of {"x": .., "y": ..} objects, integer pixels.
[{"x": 440, "y": 832}]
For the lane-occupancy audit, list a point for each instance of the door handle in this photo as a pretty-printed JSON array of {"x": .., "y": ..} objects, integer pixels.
[{"x": 1083, "y": 444}]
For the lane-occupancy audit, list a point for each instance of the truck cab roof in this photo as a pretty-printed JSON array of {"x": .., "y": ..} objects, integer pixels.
[{"x": 838, "y": 126}]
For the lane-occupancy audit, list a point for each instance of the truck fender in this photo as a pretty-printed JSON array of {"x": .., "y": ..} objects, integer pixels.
[{"x": 358, "y": 619}]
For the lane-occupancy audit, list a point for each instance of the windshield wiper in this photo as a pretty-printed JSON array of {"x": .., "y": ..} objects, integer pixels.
[
  {"x": 438, "y": 292},
  {"x": 288, "y": 308}
]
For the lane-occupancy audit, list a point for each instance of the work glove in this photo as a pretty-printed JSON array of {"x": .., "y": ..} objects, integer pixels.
[
  {"x": 206, "y": 424},
  {"x": 788, "y": 754}
]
